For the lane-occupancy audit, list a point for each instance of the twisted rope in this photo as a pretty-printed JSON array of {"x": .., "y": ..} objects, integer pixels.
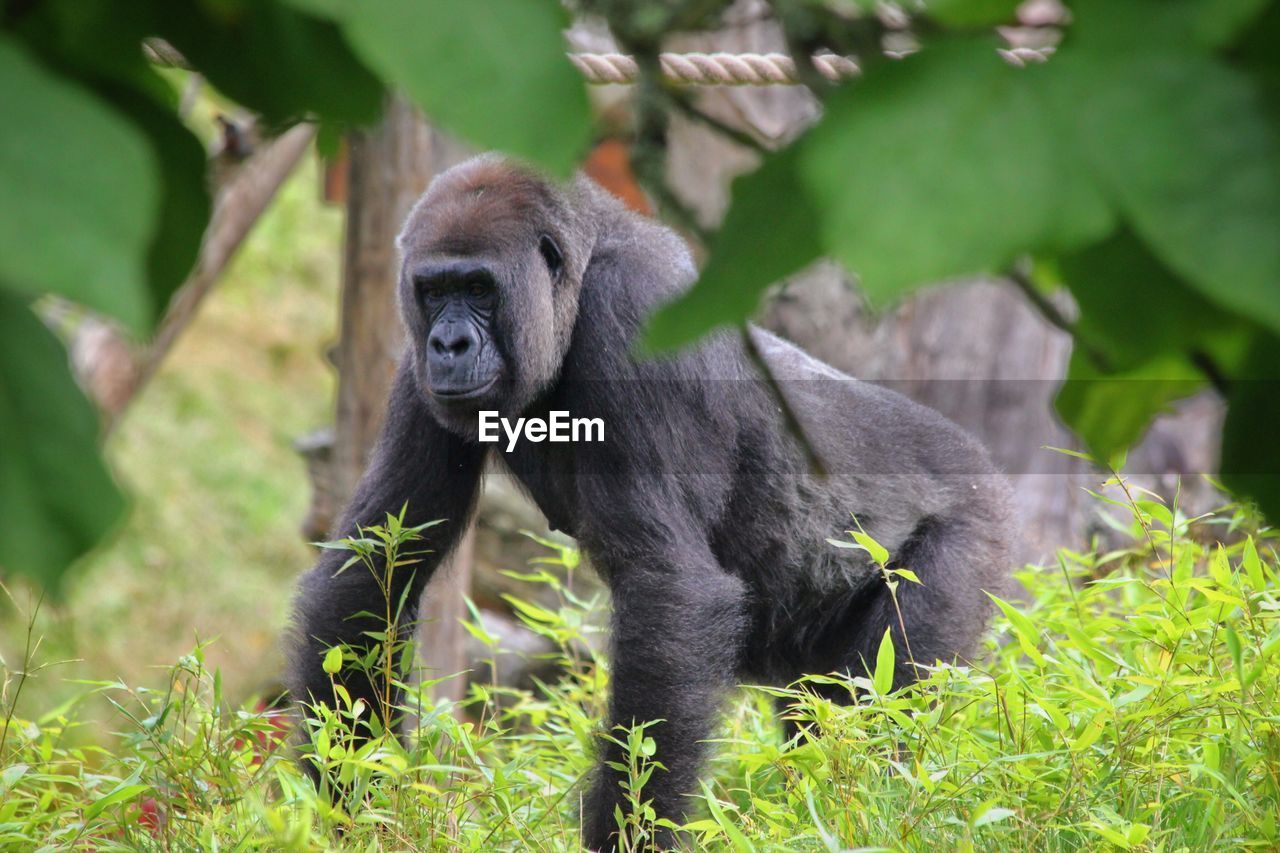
[{"x": 712, "y": 69}]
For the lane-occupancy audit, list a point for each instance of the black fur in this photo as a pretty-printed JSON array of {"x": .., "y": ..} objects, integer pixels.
[{"x": 699, "y": 509}]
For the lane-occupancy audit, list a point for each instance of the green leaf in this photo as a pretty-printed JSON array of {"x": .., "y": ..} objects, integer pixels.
[
  {"x": 883, "y": 678},
  {"x": 1252, "y": 565},
  {"x": 332, "y": 662},
  {"x": 988, "y": 813},
  {"x": 1118, "y": 280},
  {"x": 907, "y": 574},
  {"x": 727, "y": 824},
  {"x": 770, "y": 231},
  {"x": 531, "y": 611},
  {"x": 1234, "y": 649},
  {"x": 97, "y": 45},
  {"x": 274, "y": 58},
  {"x": 1026, "y": 631},
  {"x": 879, "y": 554},
  {"x": 494, "y": 72},
  {"x": 120, "y": 794},
  {"x": 56, "y": 497},
  {"x": 948, "y": 163},
  {"x": 1204, "y": 199},
  {"x": 971, "y": 13},
  {"x": 11, "y": 775},
  {"x": 184, "y": 204},
  {"x": 1250, "y": 453},
  {"x": 80, "y": 193},
  {"x": 1183, "y": 25},
  {"x": 1256, "y": 53},
  {"x": 1111, "y": 411},
  {"x": 1221, "y": 21}
]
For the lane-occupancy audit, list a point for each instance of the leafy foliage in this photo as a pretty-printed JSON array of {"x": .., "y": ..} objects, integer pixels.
[
  {"x": 55, "y": 493},
  {"x": 1141, "y": 162},
  {"x": 106, "y": 196},
  {"x": 1129, "y": 700},
  {"x": 79, "y": 224},
  {"x": 507, "y": 56}
]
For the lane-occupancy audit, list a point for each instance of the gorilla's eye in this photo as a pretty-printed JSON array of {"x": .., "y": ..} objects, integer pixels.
[
  {"x": 551, "y": 254},
  {"x": 477, "y": 290}
]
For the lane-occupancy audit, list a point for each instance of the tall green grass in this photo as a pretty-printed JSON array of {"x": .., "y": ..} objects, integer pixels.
[{"x": 1128, "y": 701}]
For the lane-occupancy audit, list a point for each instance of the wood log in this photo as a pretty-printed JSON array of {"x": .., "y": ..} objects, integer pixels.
[{"x": 389, "y": 167}]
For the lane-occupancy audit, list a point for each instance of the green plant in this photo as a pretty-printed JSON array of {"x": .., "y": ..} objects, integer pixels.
[
  {"x": 1129, "y": 700},
  {"x": 637, "y": 822}
]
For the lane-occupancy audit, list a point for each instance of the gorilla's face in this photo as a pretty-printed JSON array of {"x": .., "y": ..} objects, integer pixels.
[
  {"x": 458, "y": 299},
  {"x": 486, "y": 290}
]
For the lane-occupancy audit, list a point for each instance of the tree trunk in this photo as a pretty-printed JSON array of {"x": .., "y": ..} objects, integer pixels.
[{"x": 390, "y": 166}]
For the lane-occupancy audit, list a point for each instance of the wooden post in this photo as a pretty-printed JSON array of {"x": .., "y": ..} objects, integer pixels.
[{"x": 390, "y": 166}]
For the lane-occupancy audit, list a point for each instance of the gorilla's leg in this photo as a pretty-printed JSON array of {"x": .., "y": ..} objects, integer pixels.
[
  {"x": 677, "y": 635},
  {"x": 945, "y": 614}
]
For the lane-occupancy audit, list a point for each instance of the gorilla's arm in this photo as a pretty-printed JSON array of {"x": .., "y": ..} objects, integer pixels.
[
  {"x": 678, "y": 625},
  {"x": 646, "y": 497},
  {"x": 416, "y": 463}
]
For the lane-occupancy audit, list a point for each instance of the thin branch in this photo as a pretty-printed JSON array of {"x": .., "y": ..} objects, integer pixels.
[
  {"x": 1206, "y": 365},
  {"x": 741, "y": 137},
  {"x": 789, "y": 417},
  {"x": 238, "y": 206},
  {"x": 1042, "y": 303},
  {"x": 1198, "y": 357}
]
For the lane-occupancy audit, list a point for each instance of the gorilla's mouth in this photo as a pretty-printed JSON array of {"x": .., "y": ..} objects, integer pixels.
[{"x": 455, "y": 395}]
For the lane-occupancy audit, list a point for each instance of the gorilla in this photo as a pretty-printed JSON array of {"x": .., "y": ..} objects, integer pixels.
[{"x": 701, "y": 509}]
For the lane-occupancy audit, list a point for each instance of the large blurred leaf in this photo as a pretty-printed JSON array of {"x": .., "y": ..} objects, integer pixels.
[
  {"x": 1250, "y": 450},
  {"x": 942, "y": 165},
  {"x": 770, "y": 232},
  {"x": 1220, "y": 21},
  {"x": 185, "y": 203},
  {"x": 1183, "y": 146},
  {"x": 1132, "y": 308},
  {"x": 1149, "y": 327},
  {"x": 1194, "y": 25},
  {"x": 1256, "y": 52},
  {"x": 93, "y": 43},
  {"x": 80, "y": 193},
  {"x": 969, "y": 13},
  {"x": 1110, "y": 411},
  {"x": 274, "y": 58},
  {"x": 494, "y": 71},
  {"x": 56, "y": 498}
]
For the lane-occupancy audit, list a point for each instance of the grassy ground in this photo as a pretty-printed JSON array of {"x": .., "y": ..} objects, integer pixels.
[
  {"x": 212, "y": 544},
  {"x": 1132, "y": 702}
]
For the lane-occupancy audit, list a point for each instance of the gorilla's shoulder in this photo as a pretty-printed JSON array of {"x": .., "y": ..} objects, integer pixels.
[{"x": 633, "y": 251}]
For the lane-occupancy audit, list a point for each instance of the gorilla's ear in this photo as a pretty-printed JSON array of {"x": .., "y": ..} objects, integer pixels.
[{"x": 551, "y": 254}]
